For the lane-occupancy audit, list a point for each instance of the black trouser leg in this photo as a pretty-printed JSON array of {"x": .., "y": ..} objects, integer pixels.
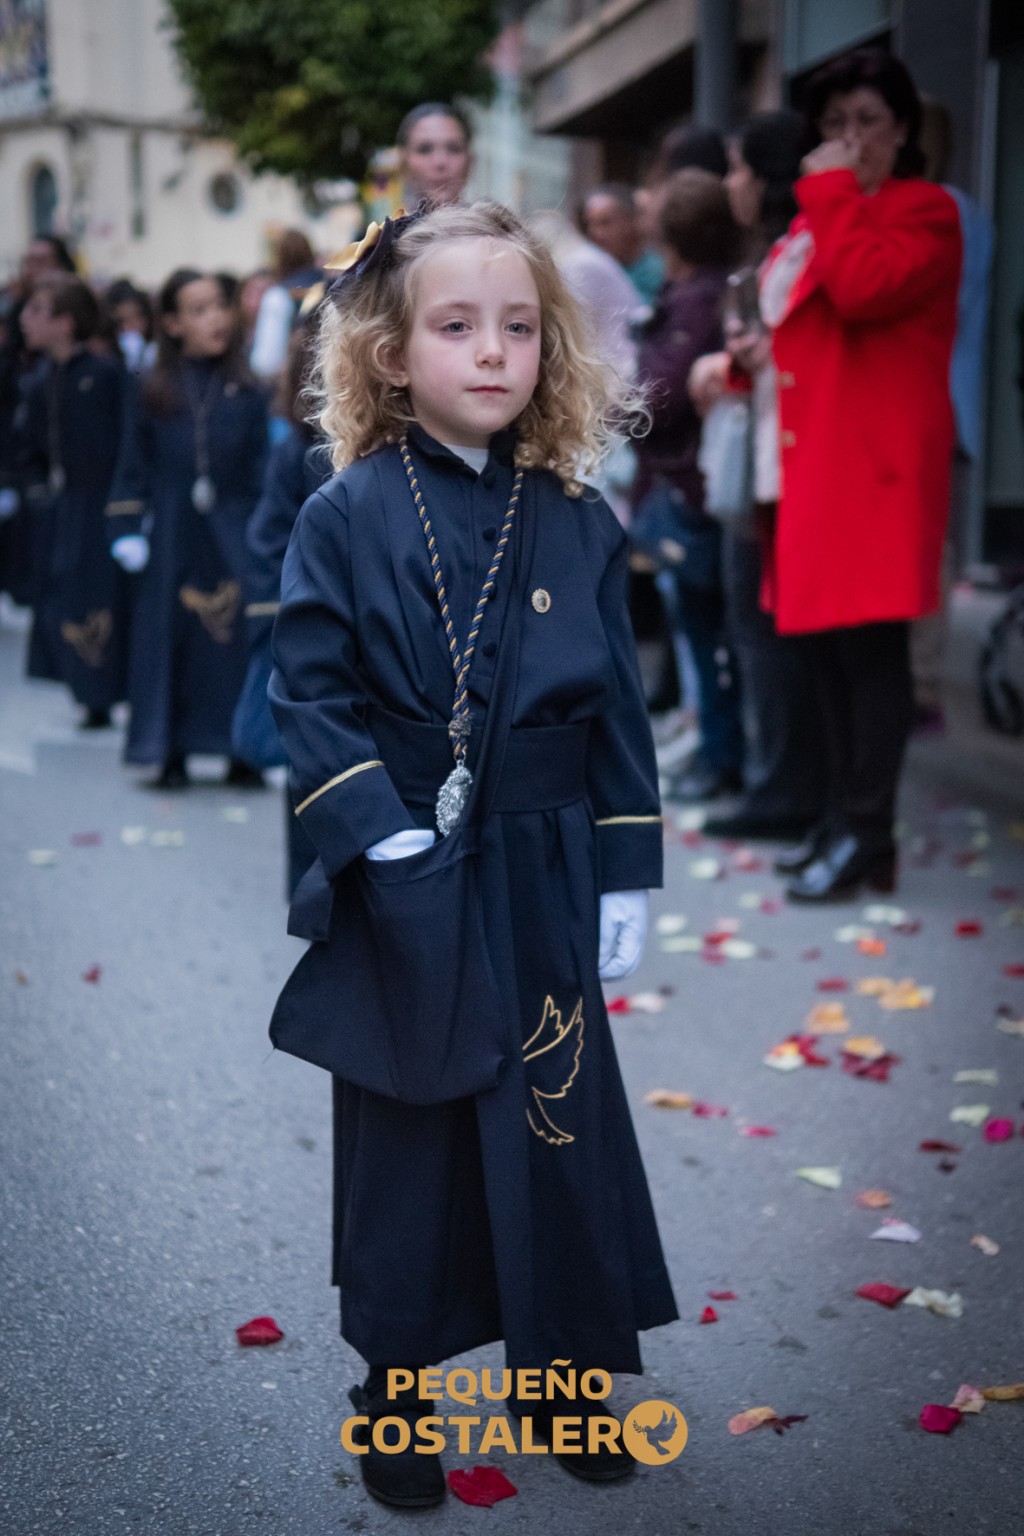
[
  {"x": 784, "y": 767},
  {"x": 863, "y": 681}
]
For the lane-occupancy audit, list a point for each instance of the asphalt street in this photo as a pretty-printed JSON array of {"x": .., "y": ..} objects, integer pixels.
[{"x": 166, "y": 1178}]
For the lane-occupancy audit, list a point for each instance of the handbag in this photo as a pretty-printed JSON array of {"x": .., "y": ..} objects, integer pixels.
[
  {"x": 726, "y": 458},
  {"x": 674, "y": 537},
  {"x": 402, "y": 998}
]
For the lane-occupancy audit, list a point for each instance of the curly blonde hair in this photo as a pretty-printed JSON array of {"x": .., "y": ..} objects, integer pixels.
[{"x": 580, "y": 406}]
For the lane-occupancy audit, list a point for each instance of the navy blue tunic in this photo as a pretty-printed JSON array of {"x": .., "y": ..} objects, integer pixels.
[
  {"x": 71, "y": 419},
  {"x": 189, "y": 649},
  {"x": 521, "y": 1213}
]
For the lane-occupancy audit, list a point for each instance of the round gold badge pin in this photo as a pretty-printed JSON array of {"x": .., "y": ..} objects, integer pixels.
[{"x": 541, "y": 600}]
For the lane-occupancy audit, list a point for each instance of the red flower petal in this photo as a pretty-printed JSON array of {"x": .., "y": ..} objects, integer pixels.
[
  {"x": 617, "y": 1005},
  {"x": 885, "y": 1295},
  {"x": 998, "y": 1130},
  {"x": 911, "y": 926},
  {"x": 938, "y": 1146},
  {"x": 709, "y": 1315},
  {"x": 833, "y": 984},
  {"x": 705, "y": 1111},
  {"x": 259, "y": 1330},
  {"x": 805, "y": 1045},
  {"x": 877, "y": 1071},
  {"x": 717, "y": 938},
  {"x": 86, "y": 839},
  {"x": 482, "y": 1486},
  {"x": 712, "y": 957},
  {"x": 770, "y": 905},
  {"x": 92, "y": 974},
  {"x": 691, "y": 839},
  {"x": 723, "y": 1295},
  {"x": 967, "y": 929},
  {"x": 937, "y": 1419},
  {"x": 758, "y": 1130},
  {"x": 1013, "y": 970}
]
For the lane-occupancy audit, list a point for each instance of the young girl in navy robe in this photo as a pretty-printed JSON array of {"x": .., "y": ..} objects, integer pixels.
[
  {"x": 190, "y": 473},
  {"x": 68, "y": 431},
  {"x": 463, "y": 403}
]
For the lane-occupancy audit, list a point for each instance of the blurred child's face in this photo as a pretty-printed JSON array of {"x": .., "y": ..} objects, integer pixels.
[
  {"x": 744, "y": 188},
  {"x": 436, "y": 159},
  {"x": 203, "y": 320},
  {"x": 41, "y": 328},
  {"x": 472, "y": 357},
  {"x": 128, "y": 317}
]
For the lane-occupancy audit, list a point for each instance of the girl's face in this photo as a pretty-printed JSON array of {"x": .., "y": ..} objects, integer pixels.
[
  {"x": 40, "y": 327},
  {"x": 745, "y": 190},
  {"x": 436, "y": 159},
  {"x": 129, "y": 319},
  {"x": 203, "y": 319},
  {"x": 472, "y": 357}
]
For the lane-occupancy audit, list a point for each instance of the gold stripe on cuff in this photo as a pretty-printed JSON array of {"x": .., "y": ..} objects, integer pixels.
[
  {"x": 257, "y": 610},
  {"x": 621, "y": 821},
  {"x": 123, "y": 508},
  {"x": 338, "y": 779}
]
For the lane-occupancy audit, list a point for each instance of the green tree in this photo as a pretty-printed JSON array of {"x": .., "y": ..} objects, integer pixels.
[{"x": 311, "y": 88}]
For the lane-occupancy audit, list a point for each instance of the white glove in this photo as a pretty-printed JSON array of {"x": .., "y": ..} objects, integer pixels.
[
  {"x": 622, "y": 934},
  {"x": 402, "y": 845},
  {"x": 9, "y": 502},
  {"x": 131, "y": 551}
]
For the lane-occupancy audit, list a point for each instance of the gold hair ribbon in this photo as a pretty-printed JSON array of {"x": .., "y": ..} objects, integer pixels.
[{"x": 344, "y": 261}]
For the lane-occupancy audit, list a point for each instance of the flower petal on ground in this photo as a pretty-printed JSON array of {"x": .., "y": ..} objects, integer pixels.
[
  {"x": 825, "y": 1178},
  {"x": 967, "y": 929},
  {"x": 647, "y": 1002},
  {"x": 894, "y": 1231},
  {"x": 758, "y": 1130},
  {"x": 828, "y": 1019},
  {"x": 86, "y": 839},
  {"x": 670, "y": 922},
  {"x": 968, "y": 1399},
  {"x": 723, "y": 1295},
  {"x": 259, "y": 1330},
  {"x": 480, "y": 1486},
  {"x": 942, "y": 1303},
  {"x": 937, "y": 1146},
  {"x": 752, "y": 1418},
  {"x": 709, "y": 1315},
  {"x": 833, "y": 984},
  {"x": 976, "y": 1075},
  {"x": 873, "y": 1199},
  {"x": 1011, "y": 1394},
  {"x": 998, "y": 1130},
  {"x": 886, "y": 1295},
  {"x": 705, "y": 1111},
  {"x": 92, "y": 974},
  {"x": 987, "y": 1246},
  {"x": 970, "y": 1114},
  {"x": 938, "y": 1419},
  {"x": 664, "y": 1098}
]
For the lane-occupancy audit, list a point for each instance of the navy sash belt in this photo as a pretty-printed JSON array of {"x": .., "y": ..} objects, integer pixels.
[{"x": 545, "y": 765}]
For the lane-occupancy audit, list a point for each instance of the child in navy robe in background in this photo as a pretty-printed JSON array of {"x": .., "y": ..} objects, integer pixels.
[
  {"x": 68, "y": 431},
  {"x": 190, "y": 474},
  {"x": 453, "y": 361},
  {"x": 299, "y": 462}
]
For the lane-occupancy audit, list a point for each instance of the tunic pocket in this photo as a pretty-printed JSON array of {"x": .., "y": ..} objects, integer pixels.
[{"x": 402, "y": 999}]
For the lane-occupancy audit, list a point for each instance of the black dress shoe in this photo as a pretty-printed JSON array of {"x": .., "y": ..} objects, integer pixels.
[
  {"x": 601, "y": 1466},
  {"x": 843, "y": 867},
  {"x": 748, "y": 827},
  {"x": 791, "y": 861},
  {"x": 241, "y": 775},
  {"x": 701, "y": 781},
  {"x": 95, "y": 720},
  {"x": 408, "y": 1479},
  {"x": 173, "y": 775}
]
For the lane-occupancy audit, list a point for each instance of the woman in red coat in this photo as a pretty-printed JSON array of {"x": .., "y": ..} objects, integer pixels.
[{"x": 861, "y": 298}]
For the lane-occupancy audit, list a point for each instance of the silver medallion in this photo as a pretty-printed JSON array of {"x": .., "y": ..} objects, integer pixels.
[
  {"x": 58, "y": 479},
  {"x": 452, "y": 798},
  {"x": 204, "y": 494}
]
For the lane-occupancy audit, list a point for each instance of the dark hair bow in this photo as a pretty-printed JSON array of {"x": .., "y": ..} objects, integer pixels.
[{"x": 373, "y": 253}]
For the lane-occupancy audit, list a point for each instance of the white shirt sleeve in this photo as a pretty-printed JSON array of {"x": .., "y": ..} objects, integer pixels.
[{"x": 273, "y": 325}]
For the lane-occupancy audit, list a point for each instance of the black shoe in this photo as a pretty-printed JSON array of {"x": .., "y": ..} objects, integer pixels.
[
  {"x": 408, "y": 1479},
  {"x": 241, "y": 775},
  {"x": 792, "y": 861},
  {"x": 601, "y": 1466},
  {"x": 843, "y": 867},
  {"x": 703, "y": 782},
  {"x": 173, "y": 775},
  {"x": 748, "y": 827},
  {"x": 95, "y": 720}
]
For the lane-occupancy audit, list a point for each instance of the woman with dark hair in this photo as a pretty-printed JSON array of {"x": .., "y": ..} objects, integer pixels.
[
  {"x": 783, "y": 782},
  {"x": 435, "y": 141},
  {"x": 670, "y": 527},
  {"x": 189, "y": 475},
  {"x": 861, "y": 301}
]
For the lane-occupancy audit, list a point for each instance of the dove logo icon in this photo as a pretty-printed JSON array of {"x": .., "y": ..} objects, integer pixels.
[{"x": 655, "y": 1432}]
